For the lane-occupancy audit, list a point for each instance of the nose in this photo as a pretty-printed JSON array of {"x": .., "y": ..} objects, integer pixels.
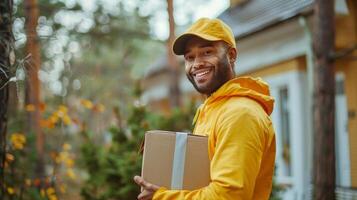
[{"x": 198, "y": 63}]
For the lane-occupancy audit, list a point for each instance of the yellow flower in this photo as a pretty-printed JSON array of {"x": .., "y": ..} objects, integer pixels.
[
  {"x": 66, "y": 120},
  {"x": 50, "y": 191},
  {"x": 54, "y": 118},
  {"x": 58, "y": 159},
  {"x": 63, "y": 156},
  {"x": 70, "y": 173},
  {"x": 99, "y": 108},
  {"x": 62, "y": 111},
  {"x": 42, "y": 192},
  {"x": 62, "y": 188},
  {"x": 47, "y": 123},
  {"x": 69, "y": 162},
  {"x": 58, "y": 114},
  {"x": 66, "y": 147},
  {"x": 42, "y": 106},
  {"x": 30, "y": 107},
  {"x": 87, "y": 104},
  {"x": 52, "y": 197},
  {"x": 9, "y": 157},
  {"x": 28, "y": 182},
  {"x": 10, "y": 190},
  {"x": 18, "y": 141},
  {"x": 62, "y": 108}
]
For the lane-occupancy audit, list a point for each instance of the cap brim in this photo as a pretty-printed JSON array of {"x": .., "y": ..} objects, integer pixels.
[{"x": 180, "y": 42}]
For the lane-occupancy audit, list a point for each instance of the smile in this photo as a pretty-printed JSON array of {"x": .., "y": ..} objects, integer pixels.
[{"x": 201, "y": 73}]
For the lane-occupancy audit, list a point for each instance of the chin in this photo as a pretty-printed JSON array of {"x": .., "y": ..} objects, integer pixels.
[{"x": 204, "y": 90}]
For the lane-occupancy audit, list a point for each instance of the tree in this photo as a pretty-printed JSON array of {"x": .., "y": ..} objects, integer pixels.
[
  {"x": 173, "y": 65},
  {"x": 32, "y": 92},
  {"x": 6, "y": 50},
  {"x": 324, "y": 101}
]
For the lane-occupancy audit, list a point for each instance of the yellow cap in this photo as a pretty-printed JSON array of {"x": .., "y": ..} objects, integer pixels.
[{"x": 207, "y": 29}]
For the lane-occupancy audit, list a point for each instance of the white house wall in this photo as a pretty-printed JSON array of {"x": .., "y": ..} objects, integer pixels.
[{"x": 270, "y": 46}]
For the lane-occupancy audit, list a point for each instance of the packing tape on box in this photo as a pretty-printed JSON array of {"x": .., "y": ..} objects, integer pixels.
[{"x": 178, "y": 168}]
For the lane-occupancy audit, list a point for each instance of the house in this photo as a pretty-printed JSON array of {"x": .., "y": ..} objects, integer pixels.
[{"x": 274, "y": 40}]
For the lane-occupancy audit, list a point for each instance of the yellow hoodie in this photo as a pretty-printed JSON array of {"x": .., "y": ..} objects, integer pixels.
[{"x": 241, "y": 143}]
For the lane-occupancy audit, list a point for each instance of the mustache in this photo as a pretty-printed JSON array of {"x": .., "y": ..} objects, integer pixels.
[{"x": 204, "y": 66}]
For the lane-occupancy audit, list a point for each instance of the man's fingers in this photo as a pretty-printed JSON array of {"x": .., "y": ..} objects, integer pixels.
[
  {"x": 145, "y": 195},
  {"x": 154, "y": 187},
  {"x": 147, "y": 189},
  {"x": 142, "y": 195},
  {"x": 140, "y": 181}
]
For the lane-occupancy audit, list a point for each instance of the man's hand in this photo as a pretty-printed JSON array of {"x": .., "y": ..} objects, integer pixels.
[{"x": 148, "y": 189}]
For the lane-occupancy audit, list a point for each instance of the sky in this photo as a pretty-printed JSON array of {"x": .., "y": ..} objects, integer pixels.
[{"x": 210, "y": 9}]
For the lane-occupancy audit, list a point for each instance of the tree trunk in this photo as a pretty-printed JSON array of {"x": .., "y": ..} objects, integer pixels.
[
  {"x": 324, "y": 101},
  {"x": 6, "y": 49},
  {"x": 32, "y": 93},
  {"x": 175, "y": 92}
]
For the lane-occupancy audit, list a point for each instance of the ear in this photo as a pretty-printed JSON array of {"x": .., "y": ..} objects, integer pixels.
[{"x": 232, "y": 55}]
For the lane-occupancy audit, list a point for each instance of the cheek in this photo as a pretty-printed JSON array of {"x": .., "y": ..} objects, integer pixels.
[
  {"x": 187, "y": 68},
  {"x": 214, "y": 59}
]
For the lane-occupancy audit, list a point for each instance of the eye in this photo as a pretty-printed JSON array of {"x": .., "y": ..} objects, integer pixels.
[
  {"x": 189, "y": 57},
  {"x": 208, "y": 52}
]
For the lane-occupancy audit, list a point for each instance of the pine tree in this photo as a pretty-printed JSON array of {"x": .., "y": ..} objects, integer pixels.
[
  {"x": 6, "y": 51},
  {"x": 32, "y": 81}
]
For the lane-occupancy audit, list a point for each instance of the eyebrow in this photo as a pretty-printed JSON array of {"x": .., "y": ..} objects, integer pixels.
[
  {"x": 206, "y": 45},
  {"x": 185, "y": 52},
  {"x": 201, "y": 46}
]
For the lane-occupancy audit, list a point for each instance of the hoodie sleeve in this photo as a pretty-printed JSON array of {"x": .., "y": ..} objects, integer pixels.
[{"x": 238, "y": 149}]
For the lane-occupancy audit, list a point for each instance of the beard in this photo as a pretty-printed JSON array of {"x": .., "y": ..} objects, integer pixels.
[{"x": 221, "y": 74}]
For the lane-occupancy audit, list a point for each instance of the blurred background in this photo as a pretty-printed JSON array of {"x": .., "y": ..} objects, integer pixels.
[{"x": 85, "y": 79}]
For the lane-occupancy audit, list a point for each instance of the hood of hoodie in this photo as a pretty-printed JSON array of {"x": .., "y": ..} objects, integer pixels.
[{"x": 254, "y": 88}]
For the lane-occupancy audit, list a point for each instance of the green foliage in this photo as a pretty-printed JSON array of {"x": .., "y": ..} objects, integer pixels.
[
  {"x": 111, "y": 169},
  {"x": 276, "y": 191},
  {"x": 20, "y": 180}
]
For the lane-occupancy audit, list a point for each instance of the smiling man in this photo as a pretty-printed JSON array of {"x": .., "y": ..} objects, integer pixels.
[{"x": 235, "y": 117}]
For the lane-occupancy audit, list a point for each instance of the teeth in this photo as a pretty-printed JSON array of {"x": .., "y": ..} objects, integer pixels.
[{"x": 202, "y": 73}]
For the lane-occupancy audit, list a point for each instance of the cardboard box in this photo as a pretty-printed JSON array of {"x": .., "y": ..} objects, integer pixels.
[{"x": 176, "y": 160}]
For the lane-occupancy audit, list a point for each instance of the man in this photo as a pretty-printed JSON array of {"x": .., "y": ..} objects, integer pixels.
[{"x": 235, "y": 117}]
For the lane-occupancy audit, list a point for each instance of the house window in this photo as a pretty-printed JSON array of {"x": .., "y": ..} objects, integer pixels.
[
  {"x": 343, "y": 170},
  {"x": 285, "y": 131}
]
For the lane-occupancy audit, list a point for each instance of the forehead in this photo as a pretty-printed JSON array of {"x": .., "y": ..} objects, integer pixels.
[{"x": 196, "y": 42}]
